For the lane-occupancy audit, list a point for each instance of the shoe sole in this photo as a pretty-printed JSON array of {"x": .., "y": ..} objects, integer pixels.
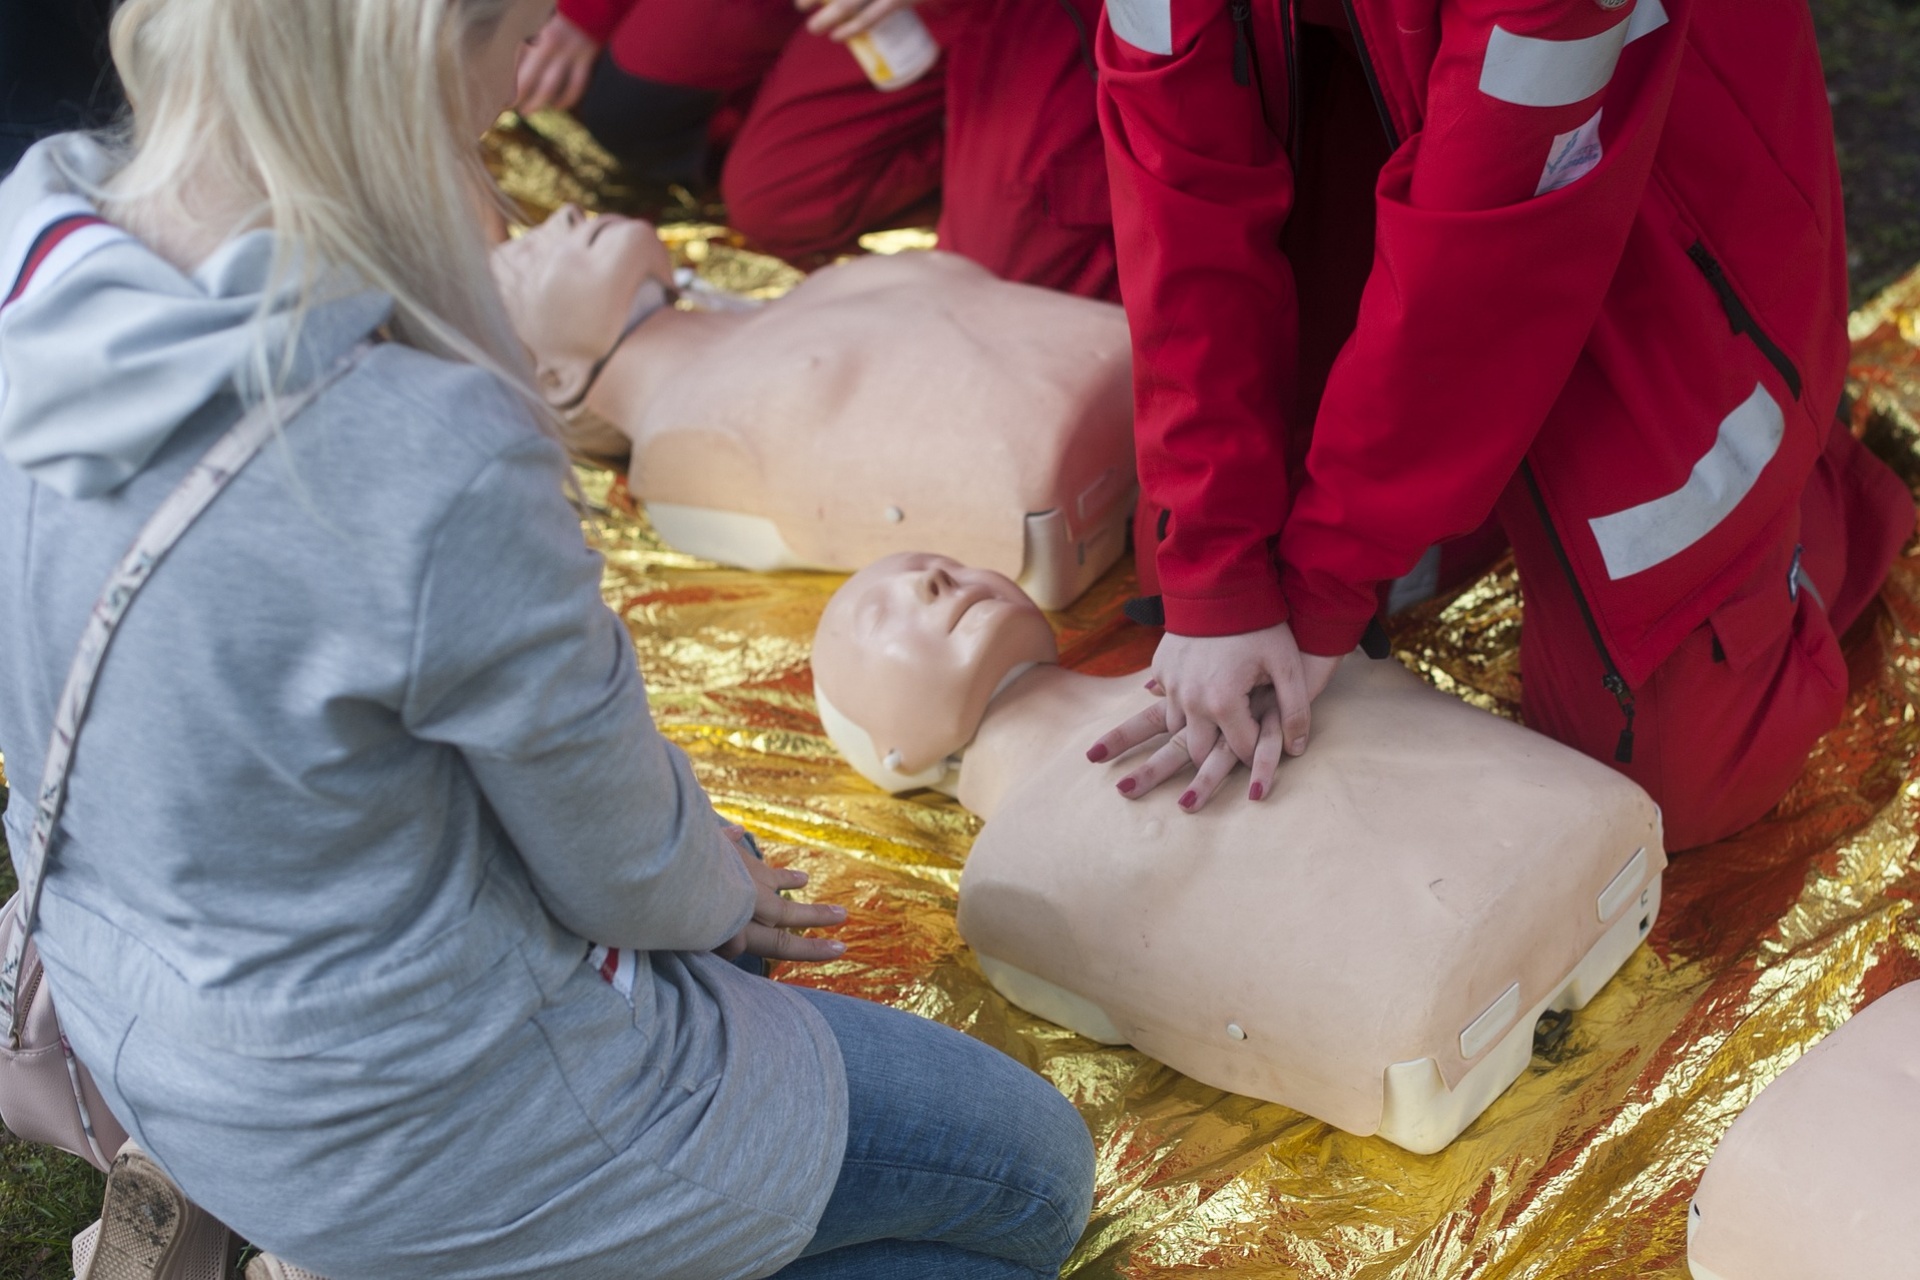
[{"x": 149, "y": 1230}]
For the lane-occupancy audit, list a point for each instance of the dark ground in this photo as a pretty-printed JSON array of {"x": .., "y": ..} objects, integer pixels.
[{"x": 1872, "y": 51}]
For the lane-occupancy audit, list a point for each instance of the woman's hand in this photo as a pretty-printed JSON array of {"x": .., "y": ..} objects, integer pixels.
[
  {"x": 844, "y": 19},
  {"x": 768, "y": 934},
  {"x": 555, "y": 68},
  {"x": 1227, "y": 700}
]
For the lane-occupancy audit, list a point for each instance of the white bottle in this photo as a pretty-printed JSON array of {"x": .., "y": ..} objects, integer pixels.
[{"x": 897, "y": 50}]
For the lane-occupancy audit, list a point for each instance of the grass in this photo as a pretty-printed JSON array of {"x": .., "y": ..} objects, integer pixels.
[{"x": 1872, "y": 53}]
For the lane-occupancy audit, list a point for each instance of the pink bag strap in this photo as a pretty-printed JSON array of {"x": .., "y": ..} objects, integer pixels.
[{"x": 205, "y": 482}]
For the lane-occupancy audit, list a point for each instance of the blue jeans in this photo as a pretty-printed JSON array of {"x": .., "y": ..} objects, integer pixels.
[{"x": 961, "y": 1164}]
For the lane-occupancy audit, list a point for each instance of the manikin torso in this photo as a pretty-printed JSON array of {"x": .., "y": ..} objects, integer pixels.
[
  {"x": 1421, "y": 883},
  {"x": 887, "y": 403},
  {"x": 1819, "y": 1178}
]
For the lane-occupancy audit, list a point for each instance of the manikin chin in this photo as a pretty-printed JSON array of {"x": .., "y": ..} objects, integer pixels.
[
  {"x": 1372, "y": 944},
  {"x": 886, "y": 403}
]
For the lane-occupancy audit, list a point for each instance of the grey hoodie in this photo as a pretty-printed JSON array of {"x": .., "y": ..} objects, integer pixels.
[{"x": 368, "y": 763}]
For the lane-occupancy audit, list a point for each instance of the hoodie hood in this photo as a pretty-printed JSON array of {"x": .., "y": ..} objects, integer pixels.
[{"x": 110, "y": 348}]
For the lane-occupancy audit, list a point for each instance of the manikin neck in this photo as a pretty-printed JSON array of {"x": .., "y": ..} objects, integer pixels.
[
  {"x": 1028, "y": 722},
  {"x": 949, "y": 783},
  {"x": 652, "y": 355}
]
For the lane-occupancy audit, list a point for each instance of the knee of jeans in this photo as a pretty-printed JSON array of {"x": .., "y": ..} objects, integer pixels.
[{"x": 1063, "y": 1155}]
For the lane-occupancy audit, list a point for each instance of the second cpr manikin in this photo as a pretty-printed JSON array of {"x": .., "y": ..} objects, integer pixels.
[
  {"x": 1819, "y": 1178},
  {"x": 1371, "y": 944},
  {"x": 887, "y": 403}
]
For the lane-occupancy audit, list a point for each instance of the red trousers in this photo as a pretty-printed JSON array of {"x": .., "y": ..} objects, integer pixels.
[
  {"x": 1724, "y": 725},
  {"x": 1003, "y": 126}
]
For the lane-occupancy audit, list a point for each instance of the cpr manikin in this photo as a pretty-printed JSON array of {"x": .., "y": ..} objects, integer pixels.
[
  {"x": 886, "y": 403},
  {"x": 1819, "y": 1178},
  {"x": 1371, "y": 944}
]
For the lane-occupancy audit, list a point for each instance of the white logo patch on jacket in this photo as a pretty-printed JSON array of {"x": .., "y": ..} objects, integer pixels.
[{"x": 1575, "y": 154}]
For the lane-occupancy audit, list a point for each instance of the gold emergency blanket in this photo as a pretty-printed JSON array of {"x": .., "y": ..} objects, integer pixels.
[
  {"x": 1583, "y": 1168},
  {"x": 1765, "y": 942}
]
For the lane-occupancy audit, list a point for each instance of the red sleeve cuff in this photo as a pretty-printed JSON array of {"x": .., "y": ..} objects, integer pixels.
[
  {"x": 1328, "y": 624},
  {"x": 1254, "y": 607},
  {"x": 1328, "y": 637},
  {"x": 597, "y": 18}
]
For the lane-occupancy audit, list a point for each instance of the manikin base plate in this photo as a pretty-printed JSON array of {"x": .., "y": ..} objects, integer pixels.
[
  {"x": 1056, "y": 570},
  {"x": 1420, "y": 1112}
]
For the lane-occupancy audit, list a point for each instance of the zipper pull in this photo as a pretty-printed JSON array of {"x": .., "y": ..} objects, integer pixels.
[
  {"x": 1623, "y": 749},
  {"x": 1241, "y": 11}
]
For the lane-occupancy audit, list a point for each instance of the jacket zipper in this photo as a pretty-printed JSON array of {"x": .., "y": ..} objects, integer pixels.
[
  {"x": 1241, "y": 12},
  {"x": 24, "y": 1002},
  {"x": 1086, "y": 39},
  {"x": 1290, "y": 35},
  {"x": 1611, "y": 678},
  {"x": 1742, "y": 319},
  {"x": 1373, "y": 80}
]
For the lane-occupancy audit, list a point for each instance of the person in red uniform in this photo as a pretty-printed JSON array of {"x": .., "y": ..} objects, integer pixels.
[
  {"x": 1577, "y": 264},
  {"x": 1004, "y": 125}
]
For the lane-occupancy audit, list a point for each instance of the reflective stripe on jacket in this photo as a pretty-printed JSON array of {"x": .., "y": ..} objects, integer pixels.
[{"x": 1607, "y": 244}]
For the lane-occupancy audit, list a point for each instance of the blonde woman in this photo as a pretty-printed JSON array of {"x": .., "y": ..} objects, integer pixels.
[{"x": 370, "y": 763}]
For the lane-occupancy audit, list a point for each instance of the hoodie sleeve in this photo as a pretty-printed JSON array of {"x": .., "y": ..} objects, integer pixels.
[
  {"x": 1499, "y": 230},
  {"x": 1201, "y": 189},
  {"x": 519, "y": 665}
]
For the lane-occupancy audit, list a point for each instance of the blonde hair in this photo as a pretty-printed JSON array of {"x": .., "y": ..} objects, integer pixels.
[{"x": 343, "y": 123}]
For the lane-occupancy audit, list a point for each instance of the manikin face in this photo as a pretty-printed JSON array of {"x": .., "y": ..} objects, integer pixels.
[
  {"x": 570, "y": 284},
  {"x": 912, "y": 648}
]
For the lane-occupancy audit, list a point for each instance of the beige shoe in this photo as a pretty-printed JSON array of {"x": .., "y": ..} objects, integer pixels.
[
  {"x": 83, "y": 1246},
  {"x": 149, "y": 1230},
  {"x": 267, "y": 1267}
]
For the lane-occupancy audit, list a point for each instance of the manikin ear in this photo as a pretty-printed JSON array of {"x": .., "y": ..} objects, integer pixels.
[{"x": 563, "y": 383}]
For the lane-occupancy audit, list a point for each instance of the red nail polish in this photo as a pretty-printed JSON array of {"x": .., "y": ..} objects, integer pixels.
[
  {"x": 1126, "y": 786},
  {"x": 1097, "y": 752},
  {"x": 1256, "y": 791},
  {"x": 1186, "y": 801}
]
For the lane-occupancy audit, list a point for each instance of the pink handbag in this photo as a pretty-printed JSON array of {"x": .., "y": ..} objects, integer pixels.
[{"x": 46, "y": 1095}]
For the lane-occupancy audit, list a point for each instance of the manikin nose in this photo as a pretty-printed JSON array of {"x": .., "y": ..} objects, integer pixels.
[
  {"x": 571, "y": 215},
  {"x": 933, "y": 584}
]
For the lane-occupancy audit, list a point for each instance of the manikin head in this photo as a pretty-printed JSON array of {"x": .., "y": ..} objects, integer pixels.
[
  {"x": 570, "y": 286},
  {"x": 907, "y": 656}
]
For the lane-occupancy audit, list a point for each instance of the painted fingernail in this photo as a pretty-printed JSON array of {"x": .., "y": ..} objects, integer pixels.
[
  {"x": 1153, "y": 686},
  {"x": 1187, "y": 800},
  {"x": 840, "y": 913},
  {"x": 837, "y": 947},
  {"x": 1256, "y": 791},
  {"x": 1097, "y": 752},
  {"x": 1126, "y": 786}
]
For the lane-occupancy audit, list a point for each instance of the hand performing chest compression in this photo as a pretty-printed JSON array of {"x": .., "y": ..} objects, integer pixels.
[{"x": 1224, "y": 701}]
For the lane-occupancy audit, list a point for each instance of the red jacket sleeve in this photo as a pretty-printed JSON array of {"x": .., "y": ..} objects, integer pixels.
[
  {"x": 1499, "y": 229},
  {"x": 597, "y": 18},
  {"x": 1201, "y": 188}
]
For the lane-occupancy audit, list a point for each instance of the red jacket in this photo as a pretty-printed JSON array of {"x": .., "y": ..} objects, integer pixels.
[
  {"x": 1607, "y": 261},
  {"x": 597, "y": 18}
]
